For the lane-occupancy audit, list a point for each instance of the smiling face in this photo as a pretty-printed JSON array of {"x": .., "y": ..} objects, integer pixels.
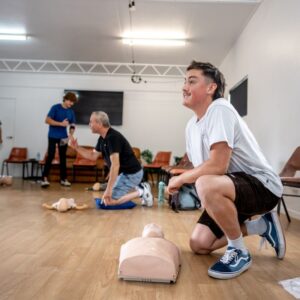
[
  {"x": 197, "y": 90},
  {"x": 68, "y": 103}
]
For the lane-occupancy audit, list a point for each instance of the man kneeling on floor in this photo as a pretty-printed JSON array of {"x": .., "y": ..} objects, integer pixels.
[
  {"x": 125, "y": 171},
  {"x": 233, "y": 179}
]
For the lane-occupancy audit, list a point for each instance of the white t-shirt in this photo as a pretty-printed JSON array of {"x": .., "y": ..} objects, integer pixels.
[{"x": 222, "y": 123}]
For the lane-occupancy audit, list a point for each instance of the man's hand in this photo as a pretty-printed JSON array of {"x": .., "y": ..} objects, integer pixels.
[
  {"x": 174, "y": 184},
  {"x": 107, "y": 198},
  {"x": 65, "y": 123},
  {"x": 73, "y": 142}
]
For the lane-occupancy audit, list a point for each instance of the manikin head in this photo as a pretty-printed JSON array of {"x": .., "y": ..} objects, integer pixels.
[
  {"x": 152, "y": 230},
  {"x": 6, "y": 180},
  {"x": 63, "y": 205},
  {"x": 96, "y": 187}
]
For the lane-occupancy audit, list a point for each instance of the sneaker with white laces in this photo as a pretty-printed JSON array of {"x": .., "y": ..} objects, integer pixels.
[
  {"x": 233, "y": 263},
  {"x": 147, "y": 197},
  {"x": 45, "y": 183},
  {"x": 274, "y": 234},
  {"x": 65, "y": 182}
]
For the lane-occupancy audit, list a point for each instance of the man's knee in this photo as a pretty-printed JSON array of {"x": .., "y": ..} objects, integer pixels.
[
  {"x": 198, "y": 246},
  {"x": 206, "y": 190}
]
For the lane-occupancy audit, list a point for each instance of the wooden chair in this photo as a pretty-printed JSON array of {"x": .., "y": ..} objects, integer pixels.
[
  {"x": 17, "y": 156},
  {"x": 288, "y": 178},
  {"x": 84, "y": 163},
  {"x": 137, "y": 153},
  {"x": 161, "y": 159}
]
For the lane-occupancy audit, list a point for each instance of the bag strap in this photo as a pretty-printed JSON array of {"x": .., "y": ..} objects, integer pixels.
[
  {"x": 174, "y": 202},
  {"x": 190, "y": 188}
]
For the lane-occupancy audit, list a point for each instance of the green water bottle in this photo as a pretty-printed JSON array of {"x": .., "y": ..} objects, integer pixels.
[{"x": 161, "y": 193}]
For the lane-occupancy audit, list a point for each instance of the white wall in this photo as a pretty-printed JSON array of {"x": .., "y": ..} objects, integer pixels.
[
  {"x": 153, "y": 116},
  {"x": 268, "y": 51}
]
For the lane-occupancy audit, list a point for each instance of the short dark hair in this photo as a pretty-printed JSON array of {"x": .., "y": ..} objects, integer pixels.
[
  {"x": 210, "y": 71},
  {"x": 70, "y": 96}
]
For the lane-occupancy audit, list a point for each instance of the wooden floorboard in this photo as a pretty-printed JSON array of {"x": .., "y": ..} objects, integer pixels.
[{"x": 74, "y": 255}]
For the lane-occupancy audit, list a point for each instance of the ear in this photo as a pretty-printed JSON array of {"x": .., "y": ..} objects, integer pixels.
[{"x": 212, "y": 88}]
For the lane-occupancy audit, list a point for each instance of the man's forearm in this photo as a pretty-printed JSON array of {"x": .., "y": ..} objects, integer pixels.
[
  {"x": 86, "y": 153},
  {"x": 207, "y": 168},
  {"x": 113, "y": 174}
]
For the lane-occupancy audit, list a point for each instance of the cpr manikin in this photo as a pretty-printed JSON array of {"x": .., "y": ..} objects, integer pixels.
[
  {"x": 64, "y": 204},
  {"x": 6, "y": 180},
  {"x": 149, "y": 258}
]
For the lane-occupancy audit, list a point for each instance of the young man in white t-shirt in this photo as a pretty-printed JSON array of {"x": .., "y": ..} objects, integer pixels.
[{"x": 233, "y": 179}]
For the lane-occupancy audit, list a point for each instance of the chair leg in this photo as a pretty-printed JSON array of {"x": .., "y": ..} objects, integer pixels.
[
  {"x": 285, "y": 209},
  {"x": 159, "y": 176},
  {"x": 24, "y": 167},
  {"x": 4, "y": 164},
  {"x": 2, "y": 168},
  {"x": 279, "y": 207},
  {"x": 151, "y": 176}
]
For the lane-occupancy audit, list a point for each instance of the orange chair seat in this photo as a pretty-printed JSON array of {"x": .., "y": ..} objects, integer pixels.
[{"x": 15, "y": 160}]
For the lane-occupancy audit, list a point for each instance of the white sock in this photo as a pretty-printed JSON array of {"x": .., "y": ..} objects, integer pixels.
[
  {"x": 140, "y": 190},
  {"x": 257, "y": 226},
  {"x": 237, "y": 243}
]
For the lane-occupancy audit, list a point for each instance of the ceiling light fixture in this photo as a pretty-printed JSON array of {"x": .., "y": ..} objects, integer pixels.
[
  {"x": 152, "y": 38},
  {"x": 13, "y": 37},
  {"x": 153, "y": 42}
]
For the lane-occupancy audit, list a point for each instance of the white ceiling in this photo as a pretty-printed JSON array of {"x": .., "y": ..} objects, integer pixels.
[{"x": 90, "y": 30}]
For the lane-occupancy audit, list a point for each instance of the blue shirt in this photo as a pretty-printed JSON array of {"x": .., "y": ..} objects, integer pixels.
[{"x": 59, "y": 113}]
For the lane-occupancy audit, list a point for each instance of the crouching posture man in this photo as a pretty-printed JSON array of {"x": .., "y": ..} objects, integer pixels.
[
  {"x": 125, "y": 171},
  {"x": 233, "y": 179}
]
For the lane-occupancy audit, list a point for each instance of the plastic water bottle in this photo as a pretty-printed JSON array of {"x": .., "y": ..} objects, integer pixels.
[
  {"x": 161, "y": 193},
  {"x": 38, "y": 156}
]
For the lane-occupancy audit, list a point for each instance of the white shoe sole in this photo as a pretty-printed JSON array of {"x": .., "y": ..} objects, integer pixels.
[{"x": 219, "y": 275}]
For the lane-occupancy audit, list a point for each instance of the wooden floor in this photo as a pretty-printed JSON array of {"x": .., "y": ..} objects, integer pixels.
[{"x": 74, "y": 255}]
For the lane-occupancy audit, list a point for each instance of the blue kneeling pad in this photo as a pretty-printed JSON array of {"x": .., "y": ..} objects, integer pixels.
[{"x": 127, "y": 205}]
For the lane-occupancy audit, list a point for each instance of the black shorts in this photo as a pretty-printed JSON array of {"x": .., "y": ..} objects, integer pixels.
[{"x": 252, "y": 198}]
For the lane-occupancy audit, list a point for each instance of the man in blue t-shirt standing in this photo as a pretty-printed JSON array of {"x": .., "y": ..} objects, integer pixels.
[{"x": 59, "y": 118}]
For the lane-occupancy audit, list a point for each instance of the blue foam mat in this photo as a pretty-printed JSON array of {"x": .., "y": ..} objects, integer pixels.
[{"x": 127, "y": 205}]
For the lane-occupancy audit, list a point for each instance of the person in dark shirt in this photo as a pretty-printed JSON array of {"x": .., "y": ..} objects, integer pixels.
[
  {"x": 125, "y": 171},
  {"x": 59, "y": 118}
]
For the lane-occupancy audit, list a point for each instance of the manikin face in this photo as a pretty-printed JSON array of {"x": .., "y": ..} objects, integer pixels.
[
  {"x": 196, "y": 89},
  {"x": 152, "y": 230}
]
